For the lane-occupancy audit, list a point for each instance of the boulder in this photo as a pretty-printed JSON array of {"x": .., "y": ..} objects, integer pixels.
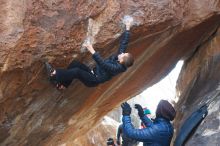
[{"x": 33, "y": 112}]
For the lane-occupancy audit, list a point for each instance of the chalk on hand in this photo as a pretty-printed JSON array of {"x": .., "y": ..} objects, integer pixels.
[
  {"x": 86, "y": 42},
  {"x": 128, "y": 19}
]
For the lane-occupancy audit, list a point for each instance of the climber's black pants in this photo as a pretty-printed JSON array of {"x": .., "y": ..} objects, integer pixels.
[{"x": 76, "y": 70}]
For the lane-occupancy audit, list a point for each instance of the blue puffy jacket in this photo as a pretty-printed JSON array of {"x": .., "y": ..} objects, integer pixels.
[
  {"x": 107, "y": 68},
  {"x": 157, "y": 133}
]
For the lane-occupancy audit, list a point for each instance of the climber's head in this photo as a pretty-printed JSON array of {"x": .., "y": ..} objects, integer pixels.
[
  {"x": 165, "y": 110},
  {"x": 126, "y": 59}
]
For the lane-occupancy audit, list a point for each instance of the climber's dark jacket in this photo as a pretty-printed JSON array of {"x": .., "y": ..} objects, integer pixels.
[{"x": 106, "y": 69}]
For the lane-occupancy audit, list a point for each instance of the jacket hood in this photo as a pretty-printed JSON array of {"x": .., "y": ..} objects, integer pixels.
[{"x": 165, "y": 110}]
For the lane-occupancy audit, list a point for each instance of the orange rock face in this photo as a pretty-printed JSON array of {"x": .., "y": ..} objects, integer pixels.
[{"x": 32, "y": 112}]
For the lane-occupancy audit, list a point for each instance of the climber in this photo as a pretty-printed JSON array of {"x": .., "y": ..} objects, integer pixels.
[
  {"x": 126, "y": 141},
  {"x": 102, "y": 72},
  {"x": 158, "y": 132},
  {"x": 110, "y": 142}
]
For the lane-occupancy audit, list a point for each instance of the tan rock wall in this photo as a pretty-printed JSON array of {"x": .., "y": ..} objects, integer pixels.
[
  {"x": 32, "y": 112},
  {"x": 198, "y": 83}
]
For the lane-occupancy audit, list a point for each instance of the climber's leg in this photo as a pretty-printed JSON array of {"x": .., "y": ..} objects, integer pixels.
[
  {"x": 76, "y": 64},
  {"x": 66, "y": 76}
]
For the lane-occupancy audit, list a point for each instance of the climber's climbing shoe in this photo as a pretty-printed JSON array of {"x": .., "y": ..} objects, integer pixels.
[{"x": 50, "y": 70}]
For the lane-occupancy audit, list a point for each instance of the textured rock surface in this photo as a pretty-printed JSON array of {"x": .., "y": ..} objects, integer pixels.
[
  {"x": 98, "y": 135},
  {"x": 199, "y": 83},
  {"x": 32, "y": 112}
]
